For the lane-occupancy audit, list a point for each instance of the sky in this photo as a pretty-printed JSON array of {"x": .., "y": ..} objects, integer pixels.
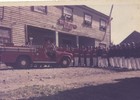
[
  {"x": 125, "y": 14},
  {"x": 126, "y": 19}
]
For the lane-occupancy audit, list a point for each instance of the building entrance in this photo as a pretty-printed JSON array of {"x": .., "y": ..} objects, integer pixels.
[
  {"x": 86, "y": 41},
  {"x": 67, "y": 40},
  {"x": 39, "y": 35}
]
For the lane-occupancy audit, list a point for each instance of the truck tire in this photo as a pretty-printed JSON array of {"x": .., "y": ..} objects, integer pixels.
[
  {"x": 23, "y": 62},
  {"x": 65, "y": 62}
]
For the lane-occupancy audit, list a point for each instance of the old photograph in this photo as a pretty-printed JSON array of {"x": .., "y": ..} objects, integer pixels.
[{"x": 70, "y": 50}]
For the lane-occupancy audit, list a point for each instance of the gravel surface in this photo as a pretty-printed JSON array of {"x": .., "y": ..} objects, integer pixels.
[{"x": 62, "y": 83}]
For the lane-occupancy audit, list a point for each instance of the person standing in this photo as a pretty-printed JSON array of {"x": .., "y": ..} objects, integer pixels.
[
  {"x": 76, "y": 57},
  {"x": 116, "y": 56},
  {"x": 88, "y": 52},
  {"x": 72, "y": 51},
  {"x": 124, "y": 55},
  {"x": 82, "y": 61},
  {"x": 50, "y": 49},
  {"x": 121, "y": 56},
  {"x": 128, "y": 56},
  {"x": 132, "y": 57},
  {"x": 110, "y": 54},
  {"x": 104, "y": 57},
  {"x": 137, "y": 55},
  {"x": 99, "y": 55},
  {"x": 85, "y": 50},
  {"x": 93, "y": 55}
]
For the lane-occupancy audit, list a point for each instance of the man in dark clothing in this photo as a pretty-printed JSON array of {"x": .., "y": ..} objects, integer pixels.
[
  {"x": 99, "y": 55},
  {"x": 110, "y": 54},
  {"x": 104, "y": 57},
  {"x": 88, "y": 52},
  {"x": 71, "y": 50},
  {"x": 121, "y": 56},
  {"x": 115, "y": 53},
  {"x": 50, "y": 49},
  {"x": 124, "y": 55},
  {"x": 128, "y": 55},
  {"x": 93, "y": 57},
  {"x": 132, "y": 56},
  {"x": 76, "y": 56},
  {"x": 82, "y": 61},
  {"x": 137, "y": 55}
]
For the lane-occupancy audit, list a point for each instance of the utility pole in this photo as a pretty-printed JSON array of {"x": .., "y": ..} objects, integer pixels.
[{"x": 108, "y": 25}]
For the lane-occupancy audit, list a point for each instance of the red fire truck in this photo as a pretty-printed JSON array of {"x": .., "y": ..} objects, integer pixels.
[{"x": 28, "y": 56}]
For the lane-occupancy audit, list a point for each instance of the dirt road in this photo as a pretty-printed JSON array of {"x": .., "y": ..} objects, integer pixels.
[{"x": 69, "y": 84}]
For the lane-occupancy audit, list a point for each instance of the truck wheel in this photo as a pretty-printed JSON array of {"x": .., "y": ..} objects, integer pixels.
[
  {"x": 23, "y": 62},
  {"x": 65, "y": 62}
]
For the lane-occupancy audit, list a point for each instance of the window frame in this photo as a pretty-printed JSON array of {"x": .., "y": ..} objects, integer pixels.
[
  {"x": 86, "y": 22},
  {"x": 39, "y": 11},
  {"x": 9, "y": 33},
  {"x": 65, "y": 16},
  {"x": 102, "y": 27}
]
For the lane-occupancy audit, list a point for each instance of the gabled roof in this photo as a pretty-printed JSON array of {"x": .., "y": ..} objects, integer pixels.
[
  {"x": 95, "y": 11},
  {"x": 133, "y": 37}
]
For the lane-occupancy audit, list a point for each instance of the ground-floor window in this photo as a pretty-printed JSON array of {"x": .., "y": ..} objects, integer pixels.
[{"x": 5, "y": 35}]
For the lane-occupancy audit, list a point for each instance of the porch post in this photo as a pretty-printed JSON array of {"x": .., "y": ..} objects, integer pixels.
[
  {"x": 77, "y": 41},
  {"x": 57, "y": 38}
]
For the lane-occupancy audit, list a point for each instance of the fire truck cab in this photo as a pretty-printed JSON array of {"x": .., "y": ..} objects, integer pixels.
[{"x": 28, "y": 56}]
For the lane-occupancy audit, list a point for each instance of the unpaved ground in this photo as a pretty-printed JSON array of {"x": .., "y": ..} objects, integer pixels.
[{"x": 63, "y": 83}]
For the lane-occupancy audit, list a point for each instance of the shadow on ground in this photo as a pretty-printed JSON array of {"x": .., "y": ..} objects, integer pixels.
[{"x": 125, "y": 89}]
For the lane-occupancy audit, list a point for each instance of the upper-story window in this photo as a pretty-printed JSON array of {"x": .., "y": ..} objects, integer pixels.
[
  {"x": 87, "y": 20},
  {"x": 40, "y": 9},
  {"x": 1, "y": 13},
  {"x": 67, "y": 13},
  {"x": 5, "y": 35},
  {"x": 102, "y": 25}
]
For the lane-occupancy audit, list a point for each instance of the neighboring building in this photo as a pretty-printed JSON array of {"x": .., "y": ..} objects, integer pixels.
[
  {"x": 133, "y": 37},
  {"x": 63, "y": 25}
]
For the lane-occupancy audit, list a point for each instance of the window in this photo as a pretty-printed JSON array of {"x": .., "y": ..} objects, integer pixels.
[
  {"x": 102, "y": 45},
  {"x": 1, "y": 12},
  {"x": 102, "y": 25},
  {"x": 40, "y": 9},
  {"x": 67, "y": 14},
  {"x": 5, "y": 35},
  {"x": 87, "y": 20}
]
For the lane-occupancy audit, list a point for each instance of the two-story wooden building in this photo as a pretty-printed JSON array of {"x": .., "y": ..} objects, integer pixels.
[{"x": 63, "y": 25}]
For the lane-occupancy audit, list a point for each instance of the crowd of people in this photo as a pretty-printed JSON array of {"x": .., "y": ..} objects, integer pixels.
[{"x": 121, "y": 56}]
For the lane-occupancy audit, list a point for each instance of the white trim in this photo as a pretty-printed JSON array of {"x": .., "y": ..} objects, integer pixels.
[
  {"x": 18, "y": 49},
  {"x": 44, "y": 62}
]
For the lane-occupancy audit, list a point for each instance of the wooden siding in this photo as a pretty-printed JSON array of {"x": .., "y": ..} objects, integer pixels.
[{"x": 17, "y": 17}]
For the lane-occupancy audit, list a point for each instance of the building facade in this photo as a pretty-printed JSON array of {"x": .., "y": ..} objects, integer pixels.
[{"x": 64, "y": 25}]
